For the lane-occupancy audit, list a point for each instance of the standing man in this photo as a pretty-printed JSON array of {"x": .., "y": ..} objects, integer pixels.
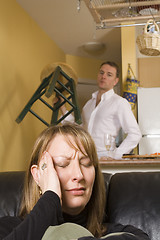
[{"x": 107, "y": 112}]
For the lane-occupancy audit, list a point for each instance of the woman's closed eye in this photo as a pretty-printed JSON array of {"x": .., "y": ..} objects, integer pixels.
[
  {"x": 64, "y": 162},
  {"x": 85, "y": 161},
  {"x": 61, "y": 161}
]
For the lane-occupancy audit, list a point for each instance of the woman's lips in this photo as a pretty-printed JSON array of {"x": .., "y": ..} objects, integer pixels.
[{"x": 77, "y": 191}]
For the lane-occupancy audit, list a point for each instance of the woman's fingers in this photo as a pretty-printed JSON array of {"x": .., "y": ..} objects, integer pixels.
[{"x": 48, "y": 179}]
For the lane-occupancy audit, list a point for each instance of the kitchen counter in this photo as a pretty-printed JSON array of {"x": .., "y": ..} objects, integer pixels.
[{"x": 131, "y": 163}]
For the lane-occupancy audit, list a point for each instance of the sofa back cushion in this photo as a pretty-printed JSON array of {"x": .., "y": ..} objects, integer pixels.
[
  {"x": 11, "y": 187},
  {"x": 134, "y": 198}
]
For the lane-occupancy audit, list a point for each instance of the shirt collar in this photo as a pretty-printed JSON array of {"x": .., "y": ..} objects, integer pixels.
[{"x": 105, "y": 95}]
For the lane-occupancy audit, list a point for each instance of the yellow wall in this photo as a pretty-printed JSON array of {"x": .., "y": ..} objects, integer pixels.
[
  {"x": 149, "y": 76},
  {"x": 128, "y": 53},
  {"x": 128, "y": 50},
  {"x": 24, "y": 50},
  {"x": 86, "y": 68}
]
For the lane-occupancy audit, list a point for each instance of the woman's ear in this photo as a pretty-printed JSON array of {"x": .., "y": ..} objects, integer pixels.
[{"x": 34, "y": 172}]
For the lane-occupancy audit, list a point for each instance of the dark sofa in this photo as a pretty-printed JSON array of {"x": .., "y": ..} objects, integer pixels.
[{"x": 132, "y": 198}]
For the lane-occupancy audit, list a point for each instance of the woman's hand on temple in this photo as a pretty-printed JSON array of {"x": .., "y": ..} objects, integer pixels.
[{"x": 48, "y": 178}]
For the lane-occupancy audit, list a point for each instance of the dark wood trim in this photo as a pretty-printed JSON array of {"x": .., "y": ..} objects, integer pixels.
[{"x": 129, "y": 162}]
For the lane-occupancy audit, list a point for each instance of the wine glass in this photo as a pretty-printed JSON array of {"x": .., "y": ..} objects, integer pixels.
[{"x": 107, "y": 141}]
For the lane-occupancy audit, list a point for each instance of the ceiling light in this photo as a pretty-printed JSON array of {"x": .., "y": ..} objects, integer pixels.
[{"x": 93, "y": 46}]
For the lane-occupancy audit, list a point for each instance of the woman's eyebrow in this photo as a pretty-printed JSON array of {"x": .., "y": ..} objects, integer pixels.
[{"x": 60, "y": 157}]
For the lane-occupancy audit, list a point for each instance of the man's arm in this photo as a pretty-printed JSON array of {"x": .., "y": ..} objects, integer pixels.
[{"x": 131, "y": 129}]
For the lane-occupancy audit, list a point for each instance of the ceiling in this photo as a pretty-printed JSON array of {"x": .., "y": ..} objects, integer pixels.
[{"x": 70, "y": 29}]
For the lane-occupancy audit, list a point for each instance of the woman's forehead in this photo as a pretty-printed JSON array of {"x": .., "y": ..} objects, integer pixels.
[{"x": 64, "y": 142}]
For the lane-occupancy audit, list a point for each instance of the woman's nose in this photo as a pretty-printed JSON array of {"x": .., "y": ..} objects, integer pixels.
[{"x": 77, "y": 174}]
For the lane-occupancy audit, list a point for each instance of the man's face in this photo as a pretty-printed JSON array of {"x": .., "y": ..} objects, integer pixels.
[{"x": 107, "y": 77}]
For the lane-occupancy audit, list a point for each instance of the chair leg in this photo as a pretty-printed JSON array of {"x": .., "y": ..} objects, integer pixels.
[{"x": 38, "y": 93}]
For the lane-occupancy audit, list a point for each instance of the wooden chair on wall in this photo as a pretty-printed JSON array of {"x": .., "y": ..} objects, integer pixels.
[{"x": 53, "y": 84}]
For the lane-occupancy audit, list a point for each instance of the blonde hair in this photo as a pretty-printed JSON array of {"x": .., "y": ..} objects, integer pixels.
[{"x": 96, "y": 204}]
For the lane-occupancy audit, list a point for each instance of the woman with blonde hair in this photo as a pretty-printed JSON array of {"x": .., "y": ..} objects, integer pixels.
[{"x": 64, "y": 184}]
